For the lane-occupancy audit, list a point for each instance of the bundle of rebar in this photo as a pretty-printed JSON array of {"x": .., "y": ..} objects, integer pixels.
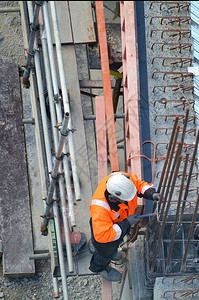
[{"x": 171, "y": 242}]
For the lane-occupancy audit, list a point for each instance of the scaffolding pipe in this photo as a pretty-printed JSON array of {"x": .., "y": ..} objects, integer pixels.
[
  {"x": 65, "y": 97},
  {"x": 49, "y": 160},
  {"x": 60, "y": 250},
  {"x": 54, "y": 174},
  {"x": 55, "y": 135},
  {"x": 26, "y": 73},
  {"x": 41, "y": 95},
  {"x": 71, "y": 212}
]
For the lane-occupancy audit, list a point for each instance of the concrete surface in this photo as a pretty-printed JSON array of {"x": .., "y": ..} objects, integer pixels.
[{"x": 169, "y": 287}]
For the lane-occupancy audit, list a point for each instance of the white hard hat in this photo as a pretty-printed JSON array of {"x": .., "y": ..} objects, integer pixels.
[{"x": 122, "y": 187}]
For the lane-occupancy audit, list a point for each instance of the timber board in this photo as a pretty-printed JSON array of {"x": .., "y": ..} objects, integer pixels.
[{"x": 14, "y": 190}]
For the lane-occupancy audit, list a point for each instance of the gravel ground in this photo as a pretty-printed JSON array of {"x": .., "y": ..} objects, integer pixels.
[{"x": 38, "y": 287}]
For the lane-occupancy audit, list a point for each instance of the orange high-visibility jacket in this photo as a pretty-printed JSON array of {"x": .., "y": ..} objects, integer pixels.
[{"x": 104, "y": 219}]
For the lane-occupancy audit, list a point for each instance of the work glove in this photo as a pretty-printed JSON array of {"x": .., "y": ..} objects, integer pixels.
[
  {"x": 133, "y": 219},
  {"x": 151, "y": 194},
  {"x": 156, "y": 196}
]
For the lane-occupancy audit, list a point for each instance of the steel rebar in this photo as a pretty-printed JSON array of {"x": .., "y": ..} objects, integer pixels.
[
  {"x": 190, "y": 235},
  {"x": 189, "y": 176},
  {"x": 169, "y": 165},
  {"x": 177, "y": 210},
  {"x": 167, "y": 155},
  {"x": 166, "y": 212},
  {"x": 170, "y": 177}
]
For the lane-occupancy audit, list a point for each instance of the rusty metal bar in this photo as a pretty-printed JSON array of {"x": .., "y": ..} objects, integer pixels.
[
  {"x": 190, "y": 173},
  {"x": 183, "y": 74},
  {"x": 185, "y": 146},
  {"x": 189, "y": 131},
  {"x": 185, "y": 125},
  {"x": 183, "y": 267},
  {"x": 181, "y": 46},
  {"x": 176, "y": 86},
  {"x": 176, "y": 4},
  {"x": 170, "y": 179},
  {"x": 177, "y": 165},
  {"x": 182, "y": 60},
  {"x": 174, "y": 163},
  {"x": 179, "y": 32},
  {"x": 190, "y": 118},
  {"x": 177, "y": 210},
  {"x": 179, "y": 19},
  {"x": 184, "y": 102},
  {"x": 188, "y": 292},
  {"x": 168, "y": 154},
  {"x": 167, "y": 173}
]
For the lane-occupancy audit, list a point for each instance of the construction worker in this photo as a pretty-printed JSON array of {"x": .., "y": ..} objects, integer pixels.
[{"x": 112, "y": 210}]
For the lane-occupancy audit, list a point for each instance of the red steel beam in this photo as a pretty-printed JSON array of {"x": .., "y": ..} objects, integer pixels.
[{"x": 107, "y": 86}]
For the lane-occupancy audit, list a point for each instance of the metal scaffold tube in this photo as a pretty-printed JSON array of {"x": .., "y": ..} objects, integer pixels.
[
  {"x": 26, "y": 74},
  {"x": 54, "y": 174},
  {"x": 71, "y": 213},
  {"x": 40, "y": 156},
  {"x": 65, "y": 97},
  {"x": 55, "y": 136},
  {"x": 53, "y": 178}
]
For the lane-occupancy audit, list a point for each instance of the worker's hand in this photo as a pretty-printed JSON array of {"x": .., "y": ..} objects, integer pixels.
[
  {"x": 156, "y": 196},
  {"x": 133, "y": 219}
]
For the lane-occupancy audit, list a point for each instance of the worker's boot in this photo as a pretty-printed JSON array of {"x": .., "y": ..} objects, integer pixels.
[
  {"x": 119, "y": 257},
  {"x": 111, "y": 274}
]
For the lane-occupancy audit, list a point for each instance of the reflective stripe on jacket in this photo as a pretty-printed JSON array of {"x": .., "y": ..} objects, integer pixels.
[{"x": 105, "y": 219}]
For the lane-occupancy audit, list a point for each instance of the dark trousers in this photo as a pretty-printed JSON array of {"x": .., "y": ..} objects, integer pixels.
[{"x": 104, "y": 253}]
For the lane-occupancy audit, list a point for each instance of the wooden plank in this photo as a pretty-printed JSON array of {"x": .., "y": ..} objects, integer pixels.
[
  {"x": 82, "y": 22},
  {"x": 101, "y": 137},
  {"x": 123, "y": 35},
  {"x": 102, "y": 168},
  {"x": 82, "y": 159},
  {"x": 75, "y": 27},
  {"x": 65, "y": 28},
  {"x": 107, "y": 86},
  {"x": 131, "y": 92},
  {"x": 14, "y": 191}
]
